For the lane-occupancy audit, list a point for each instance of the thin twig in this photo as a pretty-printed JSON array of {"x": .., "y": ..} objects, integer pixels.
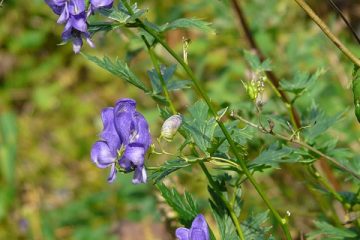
[
  {"x": 328, "y": 32},
  {"x": 300, "y": 143},
  {"x": 352, "y": 30}
]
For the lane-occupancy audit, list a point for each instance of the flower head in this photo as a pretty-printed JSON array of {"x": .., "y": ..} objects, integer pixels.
[
  {"x": 97, "y": 4},
  {"x": 199, "y": 230},
  {"x": 72, "y": 13},
  {"x": 124, "y": 142}
]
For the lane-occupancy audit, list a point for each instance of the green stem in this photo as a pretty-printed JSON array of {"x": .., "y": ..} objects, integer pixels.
[
  {"x": 282, "y": 221},
  {"x": 227, "y": 204},
  {"x": 328, "y": 32},
  {"x": 158, "y": 70}
]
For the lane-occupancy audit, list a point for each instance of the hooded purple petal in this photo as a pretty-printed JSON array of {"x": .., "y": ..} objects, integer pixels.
[
  {"x": 101, "y": 155},
  {"x": 124, "y": 118},
  {"x": 182, "y": 233},
  {"x": 79, "y": 22},
  {"x": 139, "y": 175},
  {"x": 199, "y": 229}
]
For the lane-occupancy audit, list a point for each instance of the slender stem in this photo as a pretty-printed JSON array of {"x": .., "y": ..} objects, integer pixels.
[
  {"x": 227, "y": 204},
  {"x": 282, "y": 221},
  {"x": 161, "y": 77},
  {"x": 328, "y": 32},
  {"x": 302, "y": 144}
]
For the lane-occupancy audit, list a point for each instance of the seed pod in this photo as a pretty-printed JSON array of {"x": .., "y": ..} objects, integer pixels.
[
  {"x": 170, "y": 127},
  {"x": 356, "y": 91}
]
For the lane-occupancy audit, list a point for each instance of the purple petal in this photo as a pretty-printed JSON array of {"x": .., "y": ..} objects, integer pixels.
[
  {"x": 64, "y": 16},
  {"x": 139, "y": 175},
  {"x": 199, "y": 229},
  {"x": 124, "y": 118},
  {"x": 182, "y": 233},
  {"x": 112, "y": 174},
  {"x": 135, "y": 154},
  {"x": 109, "y": 133},
  {"x": 66, "y": 34},
  {"x": 77, "y": 44},
  {"x": 76, "y": 7},
  {"x": 142, "y": 133},
  {"x": 101, "y": 155},
  {"x": 56, "y": 5},
  {"x": 79, "y": 22},
  {"x": 101, "y": 4},
  {"x": 125, "y": 163}
]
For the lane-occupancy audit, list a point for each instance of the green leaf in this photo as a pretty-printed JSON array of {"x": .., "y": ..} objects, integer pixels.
[
  {"x": 187, "y": 23},
  {"x": 300, "y": 82},
  {"x": 121, "y": 15},
  {"x": 185, "y": 206},
  {"x": 328, "y": 231},
  {"x": 200, "y": 127},
  {"x": 167, "y": 74},
  {"x": 168, "y": 168},
  {"x": 101, "y": 27},
  {"x": 318, "y": 122},
  {"x": 255, "y": 62},
  {"x": 254, "y": 228},
  {"x": 119, "y": 69}
]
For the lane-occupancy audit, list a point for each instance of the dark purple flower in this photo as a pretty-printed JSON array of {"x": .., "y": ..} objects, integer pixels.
[
  {"x": 199, "y": 230},
  {"x": 124, "y": 142}
]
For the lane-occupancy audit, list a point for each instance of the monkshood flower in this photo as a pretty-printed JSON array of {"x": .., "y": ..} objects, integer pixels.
[
  {"x": 124, "y": 140},
  {"x": 199, "y": 230},
  {"x": 72, "y": 13}
]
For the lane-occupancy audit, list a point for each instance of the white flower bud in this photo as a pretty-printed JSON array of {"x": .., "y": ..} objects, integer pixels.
[{"x": 170, "y": 127}]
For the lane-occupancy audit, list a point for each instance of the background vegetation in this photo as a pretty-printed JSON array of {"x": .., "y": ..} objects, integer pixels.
[{"x": 50, "y": 100}]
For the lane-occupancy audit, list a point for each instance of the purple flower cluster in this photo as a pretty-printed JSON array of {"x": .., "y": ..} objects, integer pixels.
[
  {"x": 124, "y": 140},
  {"x": 74, "y": 15},
  {"x": 199, "y": 230}
]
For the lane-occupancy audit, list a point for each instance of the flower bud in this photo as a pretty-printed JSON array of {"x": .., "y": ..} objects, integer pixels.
[{"x": 170, "y": 127}]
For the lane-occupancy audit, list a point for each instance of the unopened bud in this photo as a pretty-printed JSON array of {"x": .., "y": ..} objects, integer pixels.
[{"x": 170, "y": 127}]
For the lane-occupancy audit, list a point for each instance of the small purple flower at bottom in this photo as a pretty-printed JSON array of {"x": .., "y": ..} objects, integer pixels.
[
  {"x": 124, "y": 142},
  {"x": 199, "y": 230}
]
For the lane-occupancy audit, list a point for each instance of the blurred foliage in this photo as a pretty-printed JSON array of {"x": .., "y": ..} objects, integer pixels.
[{"x": 50, "y": 100}]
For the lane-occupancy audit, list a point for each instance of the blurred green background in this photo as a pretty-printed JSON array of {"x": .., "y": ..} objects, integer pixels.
[{"x": 50, "y": 103}]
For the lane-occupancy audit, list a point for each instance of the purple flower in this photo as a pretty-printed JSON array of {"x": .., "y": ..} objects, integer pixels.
[
  {"x": 76, "y": 29},
  {"x": 124, "y": 140},
  {"x": 199, "y": 230},
  {"x": 72, "y": 13}
]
